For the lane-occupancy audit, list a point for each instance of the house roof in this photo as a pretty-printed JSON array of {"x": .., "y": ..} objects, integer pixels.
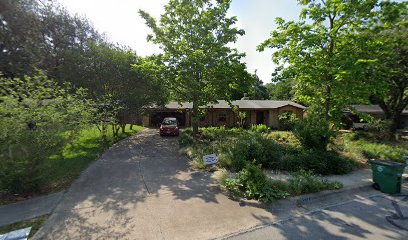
[
  {"x": 373, "y": 109},
  {"x": 242, "y": 104}
]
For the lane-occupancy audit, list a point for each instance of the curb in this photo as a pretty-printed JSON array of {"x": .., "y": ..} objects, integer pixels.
[
  {"x": 313, "y": 197},
  {"x": 291, "y": 207},
  {"x": 29, "y": 209}
]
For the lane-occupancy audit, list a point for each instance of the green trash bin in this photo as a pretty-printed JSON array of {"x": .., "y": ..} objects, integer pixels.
[{"x": 387, "y": 175}]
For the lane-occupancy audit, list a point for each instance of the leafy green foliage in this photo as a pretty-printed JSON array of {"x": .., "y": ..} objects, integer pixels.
[
  {"x": 198, "y": 64},
  {"x": 260, "y": 128},
  {"x": 303, "y": 182},
  {"x": 320, "y": 162},
  {"x": 281, "y": 90},
  {"x": 110, "y": 70},
  {"x": 36, "y": 35},
  {"x": 236, "y": 147},
  {"x": 284, "y": 137},
  {"x": 314, "y": 133},
  {"x": 256, "y": 91},
  {"x": 384, "y": 57},
  {"x": 316, "y": 52},
  {"x": 252, "y": 183},
  {"x": 366, "y": 146},
  {"x": 37, "y": 118},
  {"x": 242, "y": 119},
  {"x": 287, "y": 120}
]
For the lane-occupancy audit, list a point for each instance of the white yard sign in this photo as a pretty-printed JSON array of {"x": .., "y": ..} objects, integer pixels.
[{"x": 210, "y": 159}]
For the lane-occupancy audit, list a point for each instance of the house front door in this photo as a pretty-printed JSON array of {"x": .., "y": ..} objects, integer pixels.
[{"x": 260, "y": 117}]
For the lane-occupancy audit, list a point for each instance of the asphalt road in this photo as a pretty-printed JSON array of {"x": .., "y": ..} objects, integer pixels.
[{"x": 375, "y": 217}]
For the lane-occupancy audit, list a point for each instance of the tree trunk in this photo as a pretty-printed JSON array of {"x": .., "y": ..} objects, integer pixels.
[
  {"x": 394, "y": 121},
  {"x": 327, "y": 103},
  {"x": 123, "y": 126},
  {"x": 392, "y": 116},
  {"x": 194, "y": 122},
  {"x": 131, "y": 126},
  {"x": 113, "y": 130}
]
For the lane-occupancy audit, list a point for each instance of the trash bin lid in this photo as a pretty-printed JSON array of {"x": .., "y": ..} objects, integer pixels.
[{"x": 386, "y": 163}]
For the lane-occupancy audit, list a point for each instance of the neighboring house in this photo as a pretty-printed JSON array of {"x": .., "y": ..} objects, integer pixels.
[
  {"x": 220, "y": 114},
  {"x": 377, "y": 112}
]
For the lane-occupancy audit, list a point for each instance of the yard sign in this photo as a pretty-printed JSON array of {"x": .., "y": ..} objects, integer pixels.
[{"x": 210, "y": 159}]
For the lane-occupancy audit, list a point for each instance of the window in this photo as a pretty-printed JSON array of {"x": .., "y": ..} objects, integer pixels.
[{"x": 222, "y": 117}]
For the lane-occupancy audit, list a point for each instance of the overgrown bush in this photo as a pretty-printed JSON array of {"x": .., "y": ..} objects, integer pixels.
[
  {"x": 259, "y": 128},
  {"x": 314, "y": 133},
  {"x": 318, "y": 161},
  {"x": 284, "y": 137},
  {"x": 186, "y": 138},
  {"x": 235, "y": 148},
  {"x": 37, "y": 118},
  {"x": 303, "y": 182},
  {"x": 379, "y": 129},
  {"x": 255, "y": 146},
  {"x": 252, "y": 183},
  {"x": 364, "y": 145},
  {"x": 287, "y": 120}
]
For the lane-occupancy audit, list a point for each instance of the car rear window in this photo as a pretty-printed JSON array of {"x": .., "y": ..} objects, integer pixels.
[{"x": 169, "y": 122}]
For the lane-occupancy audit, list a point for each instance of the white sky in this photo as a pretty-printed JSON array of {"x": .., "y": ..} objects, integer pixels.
[{"x": 121, "y": 23}]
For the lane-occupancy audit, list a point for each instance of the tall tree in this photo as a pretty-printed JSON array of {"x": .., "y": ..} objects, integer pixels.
[
  {"x": 253, "y": 88},
  {"x": 110, "y": 72},
  {"x": 258, "y": 90},
  {"x": 281, "y": 90},
  {"x": 36, "y": 34},
  {"x": 316, "y": 51},
  {"x": 385, "y": 61},
  {"x": 200, "y": 66},
  {"x": 21, "y": 39}
]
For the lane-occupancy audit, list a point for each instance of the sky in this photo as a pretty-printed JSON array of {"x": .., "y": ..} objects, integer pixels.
[{"x": 121, "y": 23}]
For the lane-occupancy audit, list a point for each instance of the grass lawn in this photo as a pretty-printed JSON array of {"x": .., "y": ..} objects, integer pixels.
[
  {"x": 362, "y": 147},
  {"x": 60, "y": 170},
  {"x": 35, "y": 223}
]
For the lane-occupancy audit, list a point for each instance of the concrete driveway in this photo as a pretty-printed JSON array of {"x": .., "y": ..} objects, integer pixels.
[{"x": 142, "y": 188}]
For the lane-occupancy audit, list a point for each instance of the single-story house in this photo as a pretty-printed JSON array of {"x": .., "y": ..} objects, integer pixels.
[
  {"x": 376, "y": 112},
  {"x": 221, "y": 114}
]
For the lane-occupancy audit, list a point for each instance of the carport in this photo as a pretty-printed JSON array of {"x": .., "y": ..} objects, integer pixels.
[{"x": 157, "y": 117}]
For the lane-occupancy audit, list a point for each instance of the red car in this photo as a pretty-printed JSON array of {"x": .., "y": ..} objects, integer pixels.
[{"x": 169, "y": 126}]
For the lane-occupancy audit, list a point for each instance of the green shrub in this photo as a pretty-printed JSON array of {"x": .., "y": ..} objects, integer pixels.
[
  {"x": 287, "y": 120},
  {"x": 365, "y": 146},
  {"x": 252, "y": 183},
  {"x": 235, "y": 148},
  {"x": 186, "y": 138},
  {"x": 259, "y": 128},
  {"x": 379, "y": 129},
  {"x": 303, "y": 182},
  {"x": 37, "y": 118},
  {"x": 320, "y": 162},
  {"x": 284, "y": 137},
  {"x": 255, "y": 146},
  {"x": 314, "y": 133}
]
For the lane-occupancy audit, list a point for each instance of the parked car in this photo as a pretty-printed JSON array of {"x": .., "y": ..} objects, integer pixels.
[{"x": 169, "y": 127}]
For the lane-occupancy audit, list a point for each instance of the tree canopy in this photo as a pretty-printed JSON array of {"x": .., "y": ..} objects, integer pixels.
[
  {"x": 317, "y": 53},
  {"x": 199, "y": 64},
  {"x": 384, "y": 59}
]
